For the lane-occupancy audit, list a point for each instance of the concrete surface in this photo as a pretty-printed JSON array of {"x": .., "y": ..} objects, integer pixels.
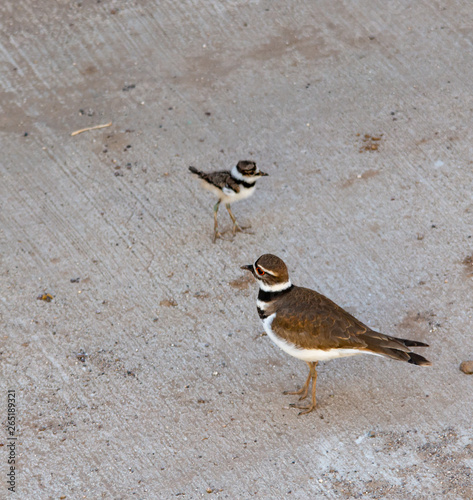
[{"x": 146, "y": 375}]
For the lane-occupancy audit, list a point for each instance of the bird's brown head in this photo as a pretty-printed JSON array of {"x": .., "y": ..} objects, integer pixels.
[
  {"x": 249, "y": 169},
  {"x": 271, "y": 272}
]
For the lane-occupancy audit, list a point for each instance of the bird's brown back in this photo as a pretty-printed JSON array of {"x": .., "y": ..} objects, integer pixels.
[
  {"x": 312, "y": 321},
  {"x": 220, "y": 179}
]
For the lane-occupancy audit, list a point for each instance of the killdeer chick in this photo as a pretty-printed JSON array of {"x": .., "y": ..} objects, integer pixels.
[
  {"x": 230, "y": 186},
  {"x": 309, "y": 326}
]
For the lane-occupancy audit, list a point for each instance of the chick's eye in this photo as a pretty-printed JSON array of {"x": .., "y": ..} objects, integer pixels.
[{"x": 259, "y": 271}]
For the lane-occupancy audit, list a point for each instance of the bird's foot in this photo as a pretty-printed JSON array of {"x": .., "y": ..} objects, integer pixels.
[
  {"x": 217, "y": 235},
  {"x": 220, "y": 236},
  {"x": 305, "y": 409},
  {"x": 240, "y": 229},
  {"x": 302, "y": 392}
]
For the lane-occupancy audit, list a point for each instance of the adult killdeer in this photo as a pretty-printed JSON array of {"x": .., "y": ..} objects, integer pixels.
[
  {"x": 230, "y": 186},
  {"x": 309, "y": 326}
]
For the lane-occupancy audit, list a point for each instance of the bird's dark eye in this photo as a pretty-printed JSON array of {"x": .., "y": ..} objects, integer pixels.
[{"x": 259, "y": 271}]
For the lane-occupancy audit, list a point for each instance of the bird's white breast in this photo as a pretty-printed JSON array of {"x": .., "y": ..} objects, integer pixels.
[
  {"x": 227, "y": 195},
  {"x": 307, "y": 354},
  {"x": 231, "y": 196}
]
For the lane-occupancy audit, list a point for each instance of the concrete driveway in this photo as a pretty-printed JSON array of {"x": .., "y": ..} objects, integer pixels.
[{"x": 146, "y": 376}]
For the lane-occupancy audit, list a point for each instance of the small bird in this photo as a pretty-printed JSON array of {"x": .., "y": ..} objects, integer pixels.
[
  {"x": 230, "y": 186},
  {"x": 309, "y": 326}
]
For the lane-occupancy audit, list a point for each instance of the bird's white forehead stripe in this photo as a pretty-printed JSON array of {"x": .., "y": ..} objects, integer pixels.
[
  {"x": 279, "y": 287},
  {"x": 265, "y": 270}
]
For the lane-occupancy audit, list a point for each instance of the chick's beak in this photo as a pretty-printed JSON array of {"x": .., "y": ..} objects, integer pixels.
[
  {"x": 249, "y": 267},
  {"x": 263, "y": 174}
]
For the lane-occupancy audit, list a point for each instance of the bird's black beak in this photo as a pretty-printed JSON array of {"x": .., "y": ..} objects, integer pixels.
[
  {"x": 263, "y": 174},
  {"x": 250, "y": 268}
]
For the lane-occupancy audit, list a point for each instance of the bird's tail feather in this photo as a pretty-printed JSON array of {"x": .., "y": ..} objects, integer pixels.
[
  {"x": 409, "y": 356},
  {"x": 412, "y": 343},
  {"x": 196, "y": 172},
  {"x": 417, "y": 359}
]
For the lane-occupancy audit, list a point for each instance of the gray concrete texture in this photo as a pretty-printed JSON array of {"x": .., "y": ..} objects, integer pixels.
[{"x": 147, "y": 375}]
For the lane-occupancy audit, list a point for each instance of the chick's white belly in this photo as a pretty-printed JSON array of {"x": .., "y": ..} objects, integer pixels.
[{"x": 227, "y": 195}]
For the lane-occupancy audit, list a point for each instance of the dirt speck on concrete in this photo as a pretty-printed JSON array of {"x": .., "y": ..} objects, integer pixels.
[
  {"x": 468, "y": 263},
  {"x": 243, "y": 282},
  {"x": 370, "y": 142},
  {"x": 168, "y": 303}
]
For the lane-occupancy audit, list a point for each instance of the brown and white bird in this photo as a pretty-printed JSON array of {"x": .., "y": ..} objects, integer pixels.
[
  {"x": 230, "y": 186},
  {"x": 309, "y": 326}
]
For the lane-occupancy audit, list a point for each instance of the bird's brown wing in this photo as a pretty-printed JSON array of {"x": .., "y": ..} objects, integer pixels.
[
  {"x": 232, "y": 184},
  {"x": 312, "y": 321},
  {"x": 221, "y": 180}
]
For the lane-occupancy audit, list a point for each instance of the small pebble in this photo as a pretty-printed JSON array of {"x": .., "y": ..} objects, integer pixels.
[
  {"x": 467, "y": 367},
  {"x": 47, "y": 297}
]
